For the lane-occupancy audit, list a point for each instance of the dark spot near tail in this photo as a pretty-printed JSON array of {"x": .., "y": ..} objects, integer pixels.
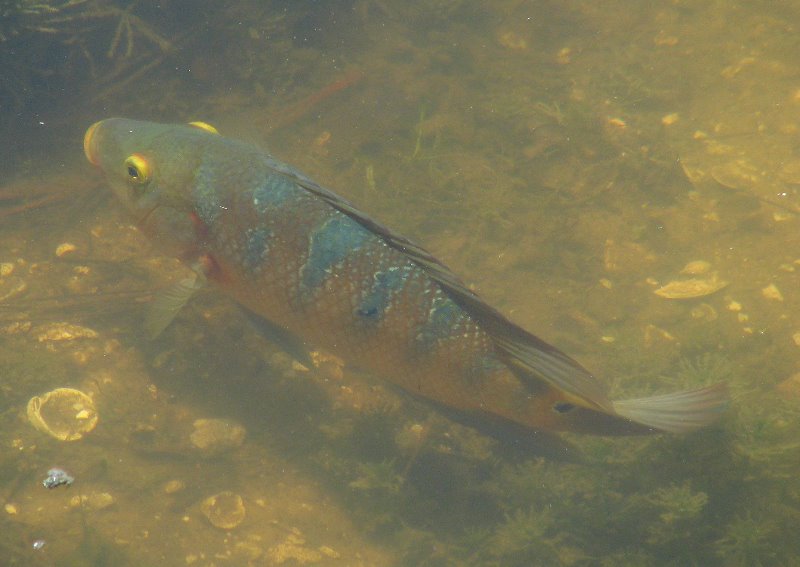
[{"x": 563, "y": 407}]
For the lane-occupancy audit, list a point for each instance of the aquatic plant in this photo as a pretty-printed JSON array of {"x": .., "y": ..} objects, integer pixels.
[
  {"x": 708, "y": 368},
  {"x": 20, "y": 16},
  {"x": 678, "y": 502},
  {"x": 748, "y": 541},
  {"x": 527, "y": 536},
  {"x": 678, "y": 506},
  {"x": 378, "y": 476},
  {"x": 628, "y": 558}
]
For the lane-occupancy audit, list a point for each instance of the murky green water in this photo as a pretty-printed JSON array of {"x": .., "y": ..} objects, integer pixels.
[{"x": 568, "y": 159}]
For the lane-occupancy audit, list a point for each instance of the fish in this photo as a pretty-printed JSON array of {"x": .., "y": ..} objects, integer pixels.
[{"x": 318, "y": 271}]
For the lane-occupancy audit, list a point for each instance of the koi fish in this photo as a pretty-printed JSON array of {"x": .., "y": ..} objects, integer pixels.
[{"x": 318, "y": 271}]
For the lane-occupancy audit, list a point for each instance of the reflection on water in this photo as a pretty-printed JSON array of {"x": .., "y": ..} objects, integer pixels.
[{"x": 568, "y": 159}]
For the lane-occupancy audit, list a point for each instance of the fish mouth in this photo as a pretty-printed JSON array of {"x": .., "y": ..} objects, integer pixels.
[{"x": 89, "y": 145}]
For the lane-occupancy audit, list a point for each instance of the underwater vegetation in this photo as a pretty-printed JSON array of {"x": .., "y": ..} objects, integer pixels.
[
  {"x": 527, "y": 536},
  {"x": 66, "y": 41},
  {"x": 749, "y": 541}
]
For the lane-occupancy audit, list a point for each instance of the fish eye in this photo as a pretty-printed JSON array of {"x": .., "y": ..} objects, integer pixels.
[
  {"x": 137, "y": 169},
  {"x": 563, "y": 407}
]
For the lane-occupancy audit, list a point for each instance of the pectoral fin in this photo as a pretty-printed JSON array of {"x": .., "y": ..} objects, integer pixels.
[{"x": 166, "y": 305}]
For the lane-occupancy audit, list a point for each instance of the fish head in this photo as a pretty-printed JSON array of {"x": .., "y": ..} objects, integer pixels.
[{"x": 150, "y": 168}]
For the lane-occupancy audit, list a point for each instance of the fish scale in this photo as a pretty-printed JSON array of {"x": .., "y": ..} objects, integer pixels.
[
  {"x": 316, "y": 268},
  {"x": 418, "y": 335}
]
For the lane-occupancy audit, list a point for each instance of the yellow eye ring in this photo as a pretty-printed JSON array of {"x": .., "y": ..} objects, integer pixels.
[
  {"x": 137, "y": 169},
  {"x": 204, "y": 126}
]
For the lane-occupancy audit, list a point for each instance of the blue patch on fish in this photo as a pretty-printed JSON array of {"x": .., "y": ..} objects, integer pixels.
[
  {"x": 256, "y": 247},
  {"x": 443, "y": 317},
  {"x": 329, "y": 245},
  {"x": 379, "y": 295},
  {"x": 275, "y": 191}
]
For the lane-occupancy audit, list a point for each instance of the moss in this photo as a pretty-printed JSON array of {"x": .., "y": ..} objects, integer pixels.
[
  {"x": 678, "y": 508},
  {"x": 380, "y": 476},
  {"x": 526, "y": 535},
  {"x": 678, "y": 503},
  {"x": 708, "y": 368},
  {"x": 748, "y": 540}
]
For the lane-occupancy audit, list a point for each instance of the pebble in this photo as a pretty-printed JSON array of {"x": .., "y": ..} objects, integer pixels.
[
  {"x": 65, "y": 248},
  {"x": 224, "y": 510},
  {"x": 772, "y": 292},
  {"x": 215, "y": 435},
  {"x": 689, "y": 288},
  {"x": 57, "y": 477},
  {"x": 173, "y": 486}
]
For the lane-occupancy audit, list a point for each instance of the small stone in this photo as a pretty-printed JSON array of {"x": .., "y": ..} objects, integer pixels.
[
  {"x": 329, "y": 552},
  {"x": 216, "y": 435},
  {"x": 512, "y": 40},
  {"x": 93, "y": 501},
  {"x": 696, "y": 268},
  {"x": 790, "y": 386},
  {"x": 174, "y": 486},
  {"x": 737, "y": 174},
  {"x": 65, "y": 248},
  {"x": 616, "y": 122},
  {"x": 6, "y": 269},
  {"x": 224, "y": 510},
  {"x": 11, "y": 509},
  {"x": 694, "y": 287},
  {"x": 55, "y": 332},
  {"x": 670, "y": 119},
  {"x": 772, "y": 292},
  {"x": 564, "y": 56},
  {"x": 705, "y": 312},
  {"x": 293, "y": 551}
]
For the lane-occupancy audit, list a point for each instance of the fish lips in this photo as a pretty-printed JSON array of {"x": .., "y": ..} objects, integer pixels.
[{"x": 90, "y": 143}]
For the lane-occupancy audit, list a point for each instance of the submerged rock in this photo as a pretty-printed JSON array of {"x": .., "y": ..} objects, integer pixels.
[
  {"x": 224, "y": 510},
  {"x": 693, "y": 287},
  {"x": 216, "y": 435}
]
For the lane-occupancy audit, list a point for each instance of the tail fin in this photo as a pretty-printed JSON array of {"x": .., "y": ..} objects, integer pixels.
[{"x": 677, "y": 412}]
